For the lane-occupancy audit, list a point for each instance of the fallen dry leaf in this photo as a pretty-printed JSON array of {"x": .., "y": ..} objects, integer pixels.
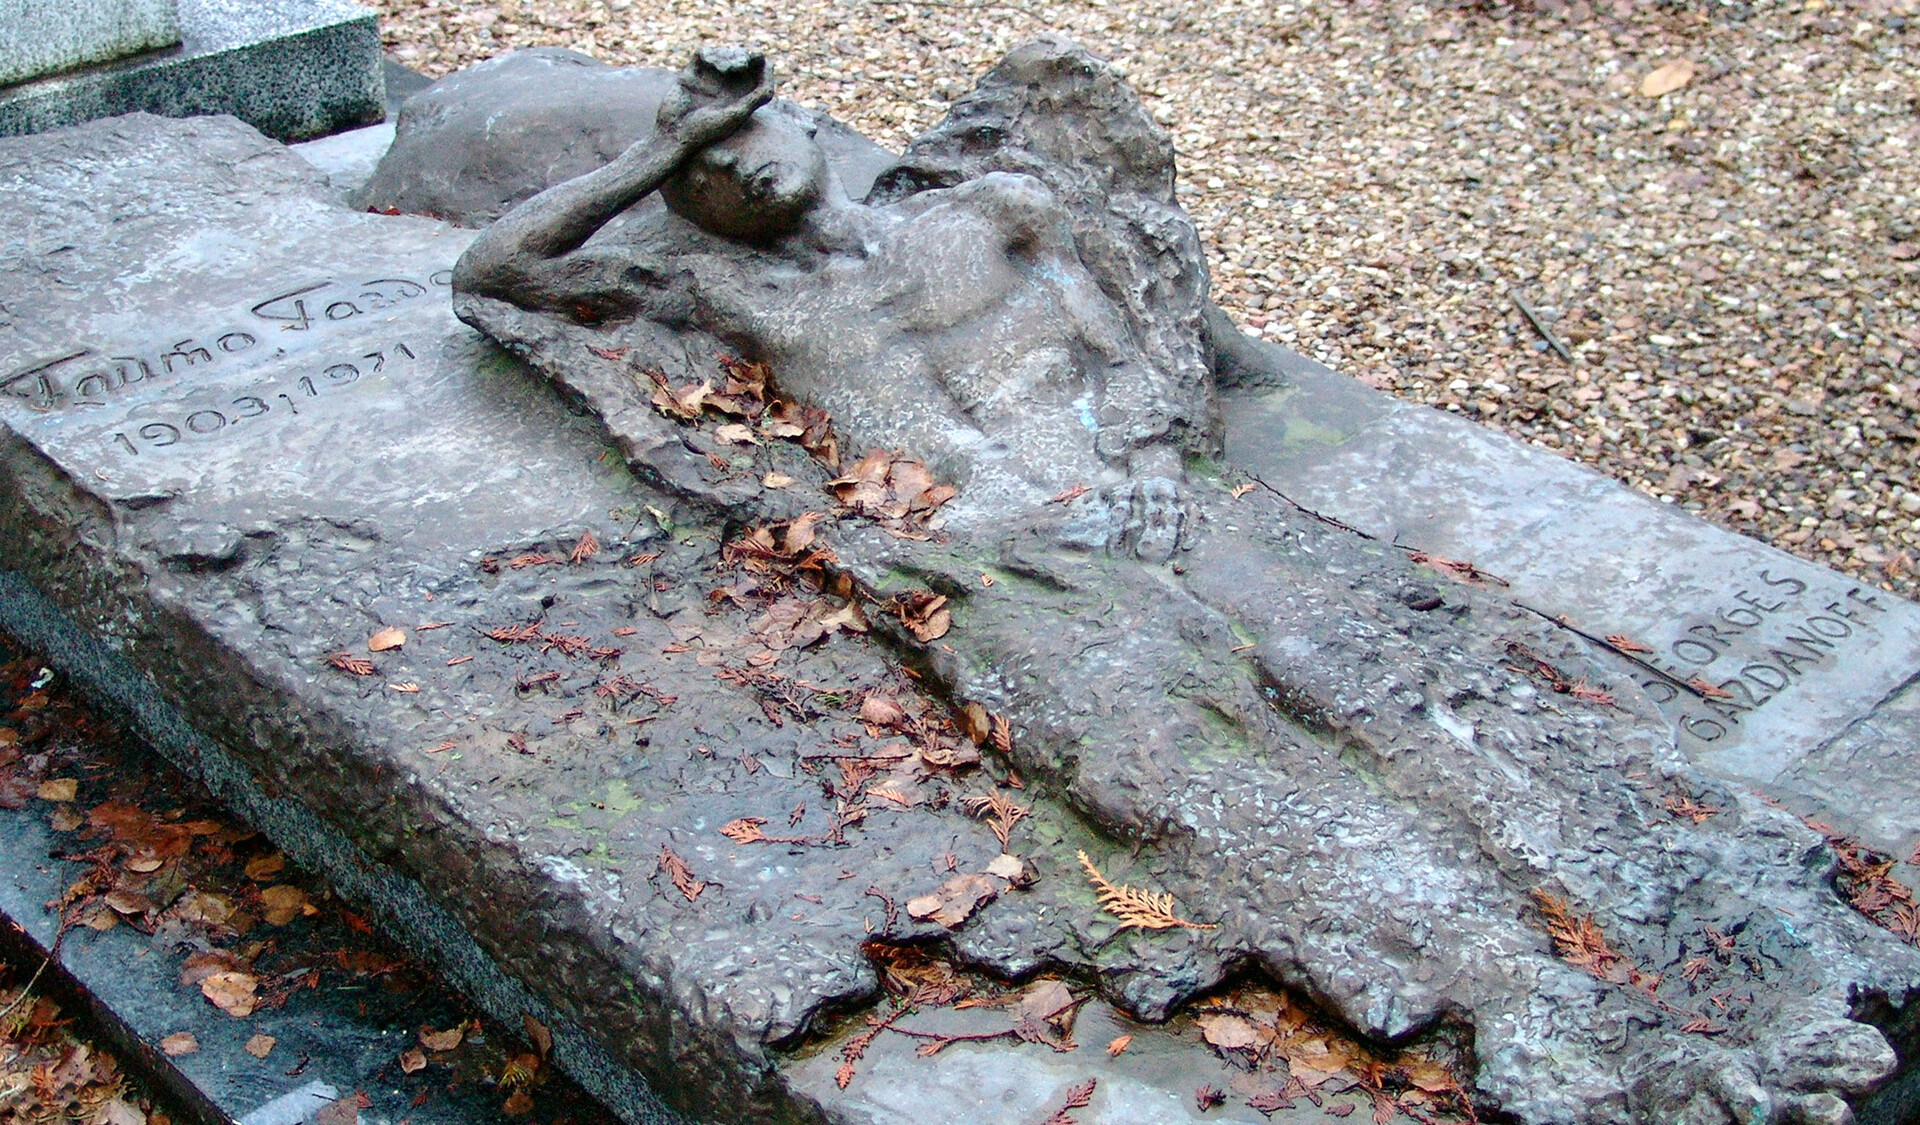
[
  {"x": 775, "y": 480},
  {"x": 537, "y": 1034},
  {"x": 260, "y": 1046},
  {"x": 388, "y": 638},
  {"x": 265, "y": 866},
  {"x": 1229, "y": 1032},
  {"x": 285, "y": 903},
  {"x": 1118, "y": 1044},
  {"x": 58, "y": 789},
  {"x": 345, "y": 1111},
  {"x": 179, "y": 1043},
  {"x": 1077, "y": 1097},
  {"x": 441, "y": 1040},
  {"x": 412, "y": 1061},
  {"x": 1136, "y": 908},
  {"x": 351, "y": 664},
  {"x": 682, "y": 875},
  {"x": 1008, "y": 867},
  {"x": 954, "y": 901},
  {"x": 232, "y": 992},
  {"x": 1666, "y": 79}
]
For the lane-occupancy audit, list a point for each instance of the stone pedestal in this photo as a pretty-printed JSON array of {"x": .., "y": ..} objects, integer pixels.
[
  {"x": 293, "y": 69},
  {"x": 40, "y": 37}
]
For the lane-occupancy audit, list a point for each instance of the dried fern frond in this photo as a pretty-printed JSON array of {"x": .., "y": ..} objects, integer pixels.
[{"x": 1143, "y": 910}]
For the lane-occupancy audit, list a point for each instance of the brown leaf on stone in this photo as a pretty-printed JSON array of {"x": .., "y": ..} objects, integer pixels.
[
  {"x": 775, "y": 480},
  {"x": 974, "y": 723},
  {"x": 518, "y": 1104},
  {"x": 1077, "y": 1098},
  {"x": 351, "y": 664},
  {"x": 265, "y": 866},
  {"x": 584, "y": 548},
  {"x": 441, "y": 1040},
  {"x": 677, "y": 870},
  {"x": 343, "y": 1111},
  {"x": 1045, "y": 999},
  {"x": 412, "y": 1061},
  {"x": 1230, "y": 1032},
  {"x": 129, "y": 902},
  {"x": 179, "y": 1043},
  {"x": 882, "y": 713},
  {"x": 58, "y": 789},
  {"x": 537, "y": 1034},
  {"x": 284, "y": 904},
  {"x": 1118, "y": 1044},
  {"x": 1144, "y": 910},
  {"x": 924, "y": 614},
  {"x": 388, "y": 638},
  {"x": 999, "y": 811},
  {"x": 1666, "y": 79},
  {"x": 744, "y": 829},
  {"x": 259, "y": 1046},
  {"x": 954, "y": 901},
  {"x": 232, "y": 992},
  {"x": 685, "y": 402}
]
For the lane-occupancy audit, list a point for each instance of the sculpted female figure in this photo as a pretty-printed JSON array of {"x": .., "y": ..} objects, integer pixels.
[{"x": 1020, "y": 336}]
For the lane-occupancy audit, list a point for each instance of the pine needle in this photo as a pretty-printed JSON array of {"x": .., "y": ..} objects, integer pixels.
[{"x": 1143, "y": 910}]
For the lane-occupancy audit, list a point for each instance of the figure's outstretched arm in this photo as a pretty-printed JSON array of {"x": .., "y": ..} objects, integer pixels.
[{"x": 518, "y": 259}]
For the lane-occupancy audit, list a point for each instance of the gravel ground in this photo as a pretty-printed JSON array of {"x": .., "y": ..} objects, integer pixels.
[{"x": 1731, "y": 265}]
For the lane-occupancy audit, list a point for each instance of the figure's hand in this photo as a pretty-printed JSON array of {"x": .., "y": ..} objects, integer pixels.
[{"x": 719, "y": 90}]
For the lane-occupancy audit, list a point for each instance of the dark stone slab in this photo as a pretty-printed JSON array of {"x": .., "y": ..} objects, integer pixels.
[
  {"x": 1772, "y": 670},
  {"x": 292, "y": 69},
  {"x": 344, "y": 1033},
  {"x": 225, "y": 471}
]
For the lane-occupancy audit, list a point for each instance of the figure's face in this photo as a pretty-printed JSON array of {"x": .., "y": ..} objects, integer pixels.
[{"x": 756, "y": 185}]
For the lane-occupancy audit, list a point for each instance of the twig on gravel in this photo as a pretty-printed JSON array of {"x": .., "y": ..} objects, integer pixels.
[{"x": 1540, "y": 326}]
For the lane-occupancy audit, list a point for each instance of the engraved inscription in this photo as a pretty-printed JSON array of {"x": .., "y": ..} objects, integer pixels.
[
  {"x": 87, "y": 377},
  {"x": 276, "y": 399},
  {"x": 1767, "y": 636}
]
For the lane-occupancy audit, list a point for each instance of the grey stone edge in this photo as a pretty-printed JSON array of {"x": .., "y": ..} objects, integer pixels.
[{"x": 399, "y": 905}]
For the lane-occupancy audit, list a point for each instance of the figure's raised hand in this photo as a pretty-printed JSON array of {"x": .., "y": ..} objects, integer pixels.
[{"x": 719, "y": 90}]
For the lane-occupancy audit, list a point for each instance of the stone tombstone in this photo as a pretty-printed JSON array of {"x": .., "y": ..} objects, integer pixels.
[
  {"x": 293, "y": 69},
  {"x": 42, "y": 37},
  {"x": 787, "y": 576}
]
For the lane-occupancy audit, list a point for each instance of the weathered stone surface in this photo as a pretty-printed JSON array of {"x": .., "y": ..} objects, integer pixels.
[
  {"x": 292, "y": 69},
  {"x": 1335, "y": 758},
  {"x": 1414, "y": 728},
  {"x": 482, "y": 139},
  {"x": 1800, "y": 677},
  {"x": 42, "y": 37}
]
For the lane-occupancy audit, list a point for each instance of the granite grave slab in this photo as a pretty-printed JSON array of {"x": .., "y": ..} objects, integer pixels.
[
  {"x": 39, "y": 37},
  {"x": 246, "y": 438},
  {"x": 293, "y": 69}
]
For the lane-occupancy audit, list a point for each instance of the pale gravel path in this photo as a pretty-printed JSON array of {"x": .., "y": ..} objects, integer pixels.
[{"x": 1736, "y": 265}]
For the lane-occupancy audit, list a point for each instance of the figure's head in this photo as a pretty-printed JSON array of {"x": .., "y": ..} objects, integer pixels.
[{"x": 755, "y": 186}]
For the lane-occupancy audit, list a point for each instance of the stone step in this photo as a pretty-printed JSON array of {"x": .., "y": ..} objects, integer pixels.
[{"x": 342, "y": 1007}]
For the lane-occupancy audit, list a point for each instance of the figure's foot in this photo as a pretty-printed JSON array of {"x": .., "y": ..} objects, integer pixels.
[{"x": 1144, "y": 515}]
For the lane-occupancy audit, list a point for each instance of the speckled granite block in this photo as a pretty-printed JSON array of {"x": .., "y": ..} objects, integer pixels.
[
  {"x": 46, "y": 36},
  {"x": 293, "y": 69}
]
